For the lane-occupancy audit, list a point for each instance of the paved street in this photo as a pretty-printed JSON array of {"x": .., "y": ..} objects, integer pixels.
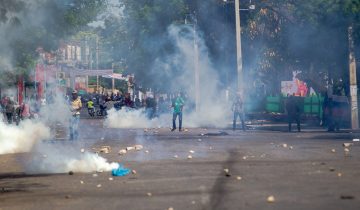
[{"x": 303, "y": 174}]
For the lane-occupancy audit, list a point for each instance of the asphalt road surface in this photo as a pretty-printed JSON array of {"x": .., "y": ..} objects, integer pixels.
[{"x": 307, "y": 170}]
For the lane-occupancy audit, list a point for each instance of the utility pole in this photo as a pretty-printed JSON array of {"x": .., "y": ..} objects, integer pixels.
[
  {"x": 197, "y": 70},
  {"x": 238, "y": 47},
  {"x": 353, "y": 82}
]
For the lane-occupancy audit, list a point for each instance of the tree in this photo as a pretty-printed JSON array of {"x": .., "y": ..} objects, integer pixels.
[{"x": 27, "y": 25}]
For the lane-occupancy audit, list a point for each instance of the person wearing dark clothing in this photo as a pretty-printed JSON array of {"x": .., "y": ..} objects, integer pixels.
[
  {"x": 238, "y": 109},
  {"x": 293, "y": 111},
  {"x": 9, "y": 110}
]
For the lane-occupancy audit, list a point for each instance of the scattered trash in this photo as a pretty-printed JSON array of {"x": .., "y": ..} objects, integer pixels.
[
  {"x": 347, "y": 197},
  {"x": 199, "y": 140},
  {"x": 356, "y": 140},
  {"x": 130, "y": 148},
  {"x": 332, "y": 169},
  {"x": 105, "y": 149},
  {"x": 210, "y": 148},
  {"x": 270, "y": 199},
  {"x": 189, "y": 157},
  {"x": 346, "y": 150},
  {"x": 339, "y": 174},
  {"x": 175, "y": 156},
  {"x": 82, "y": 150},
  {"x": 193, "y": 202},
  {"x": 98, "y": 186},
  {"x": 347, "y": 144},
  {"x": 202, "y": 134},
  {"x": 191, "y": 151},
  {"x": 138, "y": 147},
  {"x": 81, "y": 182},
  {"x": 71, "y": 173},
  {"x": 95, "y": 175},
  {"x": 220, "y": 133},
  {"x": 133, "y": 172},
  {"x": 122, "y": 152},
  {"x": 170, "y": 208},
  {"x": 291, "y": 147},
  {"x": 239, "y": 178},
  {"x": 333, "y": 150},
  {"x": 67, "y": 196},
  {"x": 186, "y": 130},
  {"x": 102, "y": 138},
  {"x": 244, "y": 157},
  {"x": 44, "y": 156},
  {"x": 227, "y": 172},
  {"x": 146, "y": 151},
  {"x": 149, "y": 194},
  {"x": 284, "y": 145},
  {"x": 120, "y": 171},
  {"x": 111, "y": 179}
]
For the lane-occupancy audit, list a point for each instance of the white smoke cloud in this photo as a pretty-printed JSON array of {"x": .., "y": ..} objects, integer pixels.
[
  {"x": 214, "y": 109},
  {"x": 55, "y": 158},
  {"x": 22, "y": 138},
  {"x": 134, "y": 119}
]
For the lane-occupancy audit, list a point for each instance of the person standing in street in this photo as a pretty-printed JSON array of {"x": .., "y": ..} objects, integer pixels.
[
  {"x": 9, "y": 110},
  {"x": 178, "y": 105},
  {"x": 238, "y": 109},
  {"x": 293, "y": 111},
  {"x": 76, "y": 106}
]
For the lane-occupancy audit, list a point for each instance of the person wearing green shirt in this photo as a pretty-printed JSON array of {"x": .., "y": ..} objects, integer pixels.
[{"x": 177, "y": 104}]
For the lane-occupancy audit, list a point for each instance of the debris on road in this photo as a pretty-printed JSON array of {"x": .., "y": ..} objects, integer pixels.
[
  {"x": 130, "y": 148},
  {"x": 170, "y": 208},
  {"x": 347, "y": 144},
  {"x": 192, "y": 151},
  {"x": 270, "y": 199},
  {"x": 138, "y": 147},
  {"x": 339, "y": 174},
  {"x": 105, "y": 149},
  {"x": 356, "y": 140},
  {"x": 347, "y": 197},
  {"x": 67, "y": 196},
  {"x": 133, "y": 172},
  {"x": 71, "y": 173},
  {"x": 332, "y": 169},
  {"x": 175, "y": 156},
  {"x": 146, "y": 151},
  {"x": 122, "y": 152},
  {"x": 82, "y": 150},
  {"x": 239, "y": 178},
  {"x": 95, "y": 175},
  {"x": 82, "y": 182},
  {"x": 98, "y": 186},
  {"x": 149, "y": 194},
  {"x": 333, "y": 150},
  {"x": 111, "y": 179},
  {"x": 120, "y": 171},
  {"x": 227, "y": 172},
  {"x": 189, "y": 157},
  {"x": 284, "y": 145}
]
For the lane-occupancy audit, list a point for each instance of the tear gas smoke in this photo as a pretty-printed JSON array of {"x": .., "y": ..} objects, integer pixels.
[
  {"x": 180, "y": 65},
  {"x": 22, "y": 138},
  {"x": 133, "y": 119},
  {"x": 55, "y": 158}
]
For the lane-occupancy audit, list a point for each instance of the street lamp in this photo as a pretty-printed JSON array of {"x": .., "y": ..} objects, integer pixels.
[
  {"x": 238, "y": 41},
  {"x": 196, "y": 62}
]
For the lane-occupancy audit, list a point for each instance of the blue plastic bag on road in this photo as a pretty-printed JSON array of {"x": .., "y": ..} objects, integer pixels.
[{"x": 121, "y": 171}]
